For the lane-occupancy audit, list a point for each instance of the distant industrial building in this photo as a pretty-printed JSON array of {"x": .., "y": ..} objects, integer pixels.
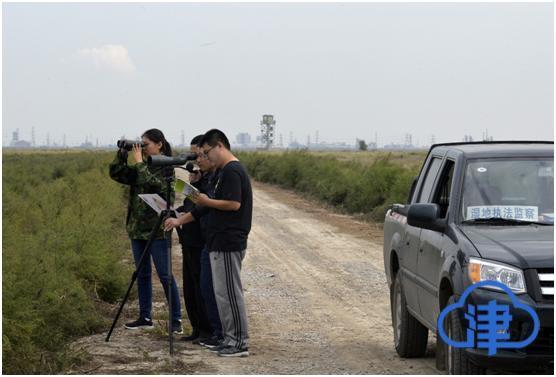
[
  {"x": 394, "y": 146},
  {"x": 243, "y": 139},
  {"x": 16, "y": 143}
]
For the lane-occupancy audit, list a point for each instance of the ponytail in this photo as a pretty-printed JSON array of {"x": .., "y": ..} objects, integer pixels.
[{"x": 166, "y": 148}]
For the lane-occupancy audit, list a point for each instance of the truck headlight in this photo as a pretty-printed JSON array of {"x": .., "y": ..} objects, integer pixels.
[{"x": 480, "y": 270}]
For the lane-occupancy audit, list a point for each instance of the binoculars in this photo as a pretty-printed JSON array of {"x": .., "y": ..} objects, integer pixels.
[{"x": 128, "y": 144}]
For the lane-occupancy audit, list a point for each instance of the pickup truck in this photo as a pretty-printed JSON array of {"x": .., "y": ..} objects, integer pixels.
[{"x": 477, "y": 211}]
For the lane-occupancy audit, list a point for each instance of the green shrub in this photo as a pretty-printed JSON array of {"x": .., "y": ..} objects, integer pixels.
[
  {"x": 61, "y": 255},
  {"x": 352, "y": 185}
]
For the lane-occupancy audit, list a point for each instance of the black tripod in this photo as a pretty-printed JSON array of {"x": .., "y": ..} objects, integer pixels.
[{"x": 168, "y": 173}]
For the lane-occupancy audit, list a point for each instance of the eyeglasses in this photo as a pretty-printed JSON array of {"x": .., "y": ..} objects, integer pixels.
[{"x": 205, "y": 154}]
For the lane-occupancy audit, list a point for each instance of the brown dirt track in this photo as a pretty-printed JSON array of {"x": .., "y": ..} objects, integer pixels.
[{"x": 316, "y": 297}]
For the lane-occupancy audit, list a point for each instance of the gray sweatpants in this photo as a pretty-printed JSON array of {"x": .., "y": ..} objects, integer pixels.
[{"x": 226, "y": 279}]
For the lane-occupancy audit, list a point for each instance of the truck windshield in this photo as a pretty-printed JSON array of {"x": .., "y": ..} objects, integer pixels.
[{"x": 518, "y": 190}]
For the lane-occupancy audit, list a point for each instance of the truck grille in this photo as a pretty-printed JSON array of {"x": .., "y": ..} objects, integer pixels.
[{"x": 546, "y": 279}]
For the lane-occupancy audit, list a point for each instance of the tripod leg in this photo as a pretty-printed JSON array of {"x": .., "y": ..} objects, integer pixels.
[
  {"x": 134, "y": 276},
  {"x": 170, "y": 296}
]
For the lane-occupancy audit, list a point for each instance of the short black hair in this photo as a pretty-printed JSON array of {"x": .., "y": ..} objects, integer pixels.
[
  {"x": 212, "y": 137},
  {"x": 196, "y": 140}
]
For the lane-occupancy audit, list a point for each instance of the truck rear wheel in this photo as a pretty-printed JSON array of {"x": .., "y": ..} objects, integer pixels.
[
  {"x": 457, "y": 361},
  {"x": 410, "y": 336}
]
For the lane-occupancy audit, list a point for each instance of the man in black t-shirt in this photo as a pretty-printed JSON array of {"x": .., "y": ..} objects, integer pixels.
[{"x": 228, "y": 226}]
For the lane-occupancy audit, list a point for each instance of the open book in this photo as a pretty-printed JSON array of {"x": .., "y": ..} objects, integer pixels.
[
  {"x": 186, "y": 188},
  {"x": 156, "y": 202}
]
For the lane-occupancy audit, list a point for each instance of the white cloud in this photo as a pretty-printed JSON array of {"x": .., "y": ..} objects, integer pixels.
[{"x": 113, "y": 57}]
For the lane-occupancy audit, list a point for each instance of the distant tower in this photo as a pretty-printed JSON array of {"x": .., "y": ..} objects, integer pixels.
[
  {"x": 267, "y": 130},
  {"x": 433, "y": 139},
  {"x": 48, "y": 139},
  {"x": 486, "y": 137},
  {"x": 15, "y": 136},
  {"x": 308, "y": 141},
  {"x": 95, "y": 143},
  {"x": 33, "y": 137},
  {"x": 317, "y": 137},
  {"x": 467, "y": 138},
  {"x": 281, "y": 141},
  {"x": 291, "y": 137}
]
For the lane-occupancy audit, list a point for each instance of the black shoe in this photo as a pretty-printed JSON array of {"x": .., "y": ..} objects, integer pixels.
[
  {"x": 211, "y": 342},
  {"x": 194, "y": 335},
  {"x": 233, "y": 352},
  {"x": 219, "y": 347},
  {"x": 176, "y": 327},
  {"x": 199, "y": 340},
  {"x": 141, "y": 323}
]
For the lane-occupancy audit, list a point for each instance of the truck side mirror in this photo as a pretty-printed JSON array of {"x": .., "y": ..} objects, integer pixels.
[{"x": 426, "y": 216}]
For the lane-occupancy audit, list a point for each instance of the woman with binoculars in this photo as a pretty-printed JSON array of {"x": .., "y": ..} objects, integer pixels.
[{"x": 141, "y": 220}]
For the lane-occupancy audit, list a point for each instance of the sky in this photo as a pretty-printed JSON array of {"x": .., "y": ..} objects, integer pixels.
[{"x": 102, "y": 71}]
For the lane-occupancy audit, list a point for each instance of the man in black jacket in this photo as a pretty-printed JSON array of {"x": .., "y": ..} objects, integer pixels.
[
  {"x": 192, "y": 243},
  {"x": 209, "y": 178}
]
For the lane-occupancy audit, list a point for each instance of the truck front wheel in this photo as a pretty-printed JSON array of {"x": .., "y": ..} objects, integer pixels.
[
  {"x": 410, "y": 336},
  {"x": 457, "y": 361}
]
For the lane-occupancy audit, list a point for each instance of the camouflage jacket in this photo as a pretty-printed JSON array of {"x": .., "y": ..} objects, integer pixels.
[{"x": 142, "y": 179}]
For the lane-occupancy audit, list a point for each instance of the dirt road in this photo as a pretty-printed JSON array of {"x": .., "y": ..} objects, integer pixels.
[{"x": 316, "y": 297}]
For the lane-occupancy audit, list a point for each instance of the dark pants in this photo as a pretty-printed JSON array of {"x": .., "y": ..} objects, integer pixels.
[
  {"x": 207, "y": 290},
  {"x": 194, "y": 304},
  {"x": 159, "y": 253}
]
